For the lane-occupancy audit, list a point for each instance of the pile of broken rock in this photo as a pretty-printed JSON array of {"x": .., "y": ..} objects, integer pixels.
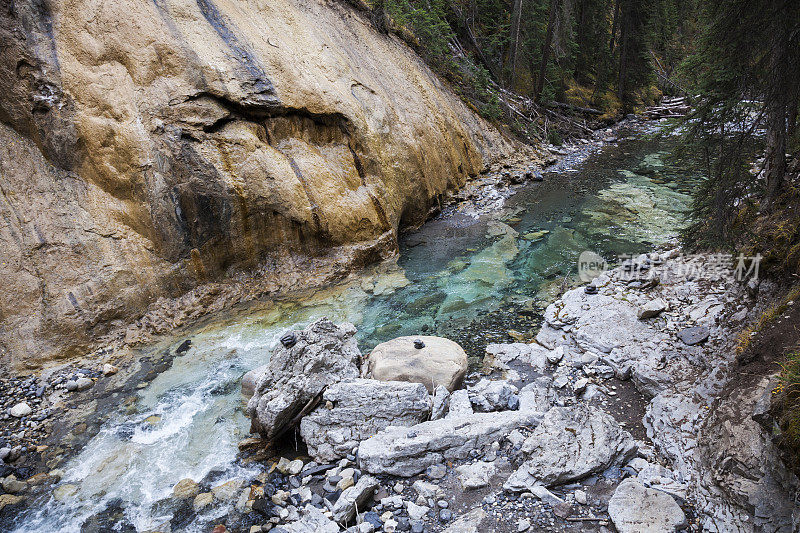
[{"x": 400, "y": 418}]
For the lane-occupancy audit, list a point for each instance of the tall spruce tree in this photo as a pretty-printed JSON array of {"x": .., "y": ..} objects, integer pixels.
[{"x": 745, "y": 71}]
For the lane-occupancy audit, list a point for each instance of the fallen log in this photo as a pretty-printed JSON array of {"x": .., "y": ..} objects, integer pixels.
[{"x": 571, "y": 107}]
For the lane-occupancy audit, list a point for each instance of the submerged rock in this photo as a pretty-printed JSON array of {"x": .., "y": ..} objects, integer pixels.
[
  {"x": 355, "y": 410},
  {"x": 569, "y": 444},
  {"x": 439, "y": 362},
  {"x": 636, "y": 509},
  {"x": 323, "y": 355}
]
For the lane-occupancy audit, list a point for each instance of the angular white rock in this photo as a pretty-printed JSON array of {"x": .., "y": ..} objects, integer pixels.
[
  {"x": 636, "y": 509},
  {"x": 359, "y": 409}
]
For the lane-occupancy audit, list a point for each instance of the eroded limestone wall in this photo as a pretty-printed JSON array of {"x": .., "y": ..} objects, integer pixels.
[{"x": 149, "y": 146}]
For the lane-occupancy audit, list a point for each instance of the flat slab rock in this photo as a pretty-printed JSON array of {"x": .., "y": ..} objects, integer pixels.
[
  {"x": 324, "y": 354},
  {"x": 571, "y": 443},
  {"x": 636, "y": 509},
  {"x": 694, "y": 335},
  {"x": 406, "y": 452},
  {"x": 355, "y": 410},
  {"x": 440, "y": 362}
]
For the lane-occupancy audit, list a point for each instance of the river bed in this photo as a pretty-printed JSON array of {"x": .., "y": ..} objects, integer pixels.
[{"x": 475, "y": 278}]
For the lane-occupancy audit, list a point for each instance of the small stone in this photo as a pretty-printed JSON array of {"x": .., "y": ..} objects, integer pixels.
[
  {"x": 280, "y": 497},
  {"x": 580, "y": 385},
  {"x": 445, "y": 515},
  {"x": 652, "y": 309},
  {"x": 693, "y": 335},
  {"x": 523, "y": 525},
  {"x": 227, "y": 491},
  {"x": 185, "y": 488},
  {"x": 20, "y": 410},
  {"x": 556, "y": 355},
  {"x": 202, "y": 500},
  {"x": 289, "y": 339},
  {"x": 283, "y": 465},
  {"x": 9, "y": 499},
  {"x": 71, "y": 385},
  {"x": 109, "y": 369},
  {"x": 371, "y": 517},
  {"x": 13, "y": 486},
  {"x": 436, "y": 471},
  {"x": 416, "y": 512},
  {"x": 443, "y": 504},
  {"x": 399, "y": 487},
  {"x": 513, "y": 402},
  {"x": 84, "y": 383},
  {"x": 294, "y": 467},
  {"x": 580, "y": 497}
]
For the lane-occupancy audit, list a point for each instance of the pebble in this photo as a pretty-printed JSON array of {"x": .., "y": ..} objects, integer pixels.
[
  {"x": 445, "y": 515},
  {"x": 523, "y": 525},
  {"x": 436, "y": 471},
  {"x": 20, "y": 410}
]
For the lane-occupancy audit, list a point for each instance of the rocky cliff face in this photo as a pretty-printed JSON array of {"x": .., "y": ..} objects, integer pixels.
[{"x": 150, "y": 147}]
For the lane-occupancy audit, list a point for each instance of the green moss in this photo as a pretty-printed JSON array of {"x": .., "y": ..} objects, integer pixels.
[{"x": 788, "y": 399}]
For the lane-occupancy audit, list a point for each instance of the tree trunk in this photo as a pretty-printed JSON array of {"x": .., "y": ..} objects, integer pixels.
[
  {"x": 546, "y": 49},
  {"x": 462, "y": 27},
  {"x": 516, "y": 18},
  {"x": 777, "y": 103},
  {"x": 623, "y": 58},
  {"x": 614, "y": 27}
]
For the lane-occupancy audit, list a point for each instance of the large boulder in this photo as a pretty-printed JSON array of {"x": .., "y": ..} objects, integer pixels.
[
  {"x": 409, "y": 451},
  {"x": 569, "y": 444},
  {"x": 636, "y": 509},
  {"x": 439, "y": 362},
  {"x": 323, "y": 354},
  {"x": 356, "y": 410}
]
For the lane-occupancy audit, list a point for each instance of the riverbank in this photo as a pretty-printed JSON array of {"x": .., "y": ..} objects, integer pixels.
[{"x": 656, "y": 338}]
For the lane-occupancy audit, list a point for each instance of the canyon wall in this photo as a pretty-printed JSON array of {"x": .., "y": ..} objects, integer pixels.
[{"x": 152, "y": 147}]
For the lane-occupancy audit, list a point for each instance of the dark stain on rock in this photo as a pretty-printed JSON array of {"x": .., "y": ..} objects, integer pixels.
[{"x": 262, "y": 90}]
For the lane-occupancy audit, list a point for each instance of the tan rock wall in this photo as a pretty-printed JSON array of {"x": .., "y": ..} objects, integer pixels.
[{"x": 149, "y": 146}]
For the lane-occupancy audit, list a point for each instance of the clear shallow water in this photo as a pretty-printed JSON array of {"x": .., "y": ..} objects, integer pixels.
[{"x": 466, "y": 277}]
